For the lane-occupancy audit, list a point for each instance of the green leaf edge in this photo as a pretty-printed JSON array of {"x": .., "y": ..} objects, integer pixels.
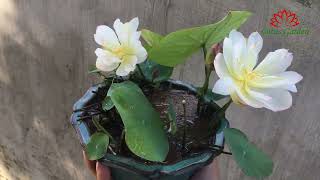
[
  {"x": 159, "y": 159},
  {"x": 226, "y": 131},
  {"x": 107, "y": 103},
  {"x": 100, "y": 155},
  {"x": 202, "y": 41}
]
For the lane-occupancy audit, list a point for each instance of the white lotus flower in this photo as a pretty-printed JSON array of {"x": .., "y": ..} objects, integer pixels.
[
  {"x": 121, "y": 49},
  {"x": 266, "y": 85}
]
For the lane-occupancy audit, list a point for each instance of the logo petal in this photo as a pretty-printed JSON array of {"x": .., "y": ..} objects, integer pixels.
[{"x": 284, "y": 18}]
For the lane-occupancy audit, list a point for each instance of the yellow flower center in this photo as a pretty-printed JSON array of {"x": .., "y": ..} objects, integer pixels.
[
  {"x": 247, "y": 77},
  {"x": 122, "y": 51},
  {"x": 250, "y": 75}
]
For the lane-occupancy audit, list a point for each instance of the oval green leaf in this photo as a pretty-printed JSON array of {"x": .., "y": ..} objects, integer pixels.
[
  {"x": 97, "y": 146},
  {"x": 144, "y": 130},
  {"x": 174, "y": 48},
  {"x": 150, "y": 37},
  {"x": 233, "y": 20},
  {"x": 250, "y": 159}
]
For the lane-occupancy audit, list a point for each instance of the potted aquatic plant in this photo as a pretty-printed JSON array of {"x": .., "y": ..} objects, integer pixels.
[{"x": 144, "y": 125}]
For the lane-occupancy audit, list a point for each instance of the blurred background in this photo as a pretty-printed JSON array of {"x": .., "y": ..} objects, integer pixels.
[{"x": 46, "y": 48}]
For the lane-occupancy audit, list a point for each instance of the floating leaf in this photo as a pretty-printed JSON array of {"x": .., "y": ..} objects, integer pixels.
[
  {"x": 97, "y": 146},
  {"x": 174, "y": 48},
  {"x": 250, "y": 159},
  {"x": 150, "y": 37},
  {"x": 233, "y": 20},
  {"x": 107, "y": 104},
  {"x": 144, "y": 130}
]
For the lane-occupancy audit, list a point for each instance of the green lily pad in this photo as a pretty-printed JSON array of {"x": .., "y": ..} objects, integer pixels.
[
  {"x": 150, "y": 37},
  {"x": 250, "y": 159},
  {"x": 174, "y": 48},
  {"x": 144, "y": 130},
  {"x": 97, "y": 146}
]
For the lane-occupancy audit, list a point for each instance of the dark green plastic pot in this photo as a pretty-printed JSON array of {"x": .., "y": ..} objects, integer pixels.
[{"x": 124, "y": 168}]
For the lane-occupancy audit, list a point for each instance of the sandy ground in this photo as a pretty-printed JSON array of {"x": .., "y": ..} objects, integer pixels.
[{"x": 40, "y": 153}]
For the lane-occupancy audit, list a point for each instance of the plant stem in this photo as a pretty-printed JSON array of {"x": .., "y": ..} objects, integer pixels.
[
  {"x": 225, "y": 107},
  {"x": 121, "y": 140},
  {"x": 208, "y": 69},
  {"x": 219, "y": 115},
  {"x": 184, "y": 124},
  {"x": 112, "y": 151},
  {"x": 101, "y": 74},
  {"x": 219, "y": 149},
  {"x": 101, "y": 128},
  {"x": 139, "y": 68}
]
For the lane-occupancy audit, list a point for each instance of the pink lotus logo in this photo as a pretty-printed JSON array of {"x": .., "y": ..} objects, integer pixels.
[{"x": 284, "y": 19}]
